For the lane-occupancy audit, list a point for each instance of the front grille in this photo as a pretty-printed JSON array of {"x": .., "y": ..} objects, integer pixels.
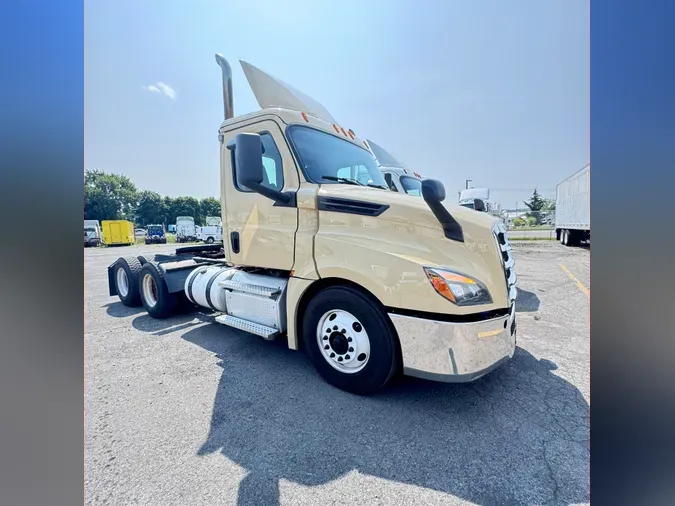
[{"x": 508, "y": 262}]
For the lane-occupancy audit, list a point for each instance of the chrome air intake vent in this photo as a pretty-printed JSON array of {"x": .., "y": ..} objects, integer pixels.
[{"x": 508, "y": 262}]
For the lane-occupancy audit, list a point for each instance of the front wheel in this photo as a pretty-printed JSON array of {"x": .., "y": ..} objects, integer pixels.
[
  {"x": 209, "y": 240},
  {"x": 350, "y": 340}
]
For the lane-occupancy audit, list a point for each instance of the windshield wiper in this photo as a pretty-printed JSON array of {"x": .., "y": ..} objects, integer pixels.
[
  {"x": 347, "y": 180},
  {"x": 373, "y": 185}
]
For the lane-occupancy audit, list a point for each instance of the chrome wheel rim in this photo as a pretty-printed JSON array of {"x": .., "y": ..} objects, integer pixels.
[
  {"x": 343, "y": 341},
  {"x": 122, "y": 282},
  {"x": 149, "y": 290}
]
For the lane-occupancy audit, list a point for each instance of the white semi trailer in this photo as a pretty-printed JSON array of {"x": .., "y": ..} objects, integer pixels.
[
  {"x": 573, "y": 208},
  {"x": 185, "y": 229}
]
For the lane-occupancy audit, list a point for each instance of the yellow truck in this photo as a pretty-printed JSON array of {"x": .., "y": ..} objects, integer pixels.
[
  {"x": 118, "y": 232},
  {"x": 317, "y": 250}
]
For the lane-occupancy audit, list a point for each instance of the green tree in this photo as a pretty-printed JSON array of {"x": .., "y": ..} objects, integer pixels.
[
  {"x": 209, "y": 206},
  {"x": 108, "y": 196},
  {"x": 549, "y": 205},
  {"x": 185, "y": 206},
  {"x": 168, "y": 209},
  {"x": 536, "y": 205},
  {"x": 151, "y": 208}
]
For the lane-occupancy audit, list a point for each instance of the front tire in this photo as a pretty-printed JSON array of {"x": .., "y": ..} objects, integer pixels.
[
  {"x": 209, "y": 240},
  {"x": 127, "y": 271},
  {"x": 350, "y": 340},
  {"x": 154, "y": 293}
]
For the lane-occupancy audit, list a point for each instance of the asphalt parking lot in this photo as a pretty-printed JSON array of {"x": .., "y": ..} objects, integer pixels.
[{"x": 188, "y": 412}]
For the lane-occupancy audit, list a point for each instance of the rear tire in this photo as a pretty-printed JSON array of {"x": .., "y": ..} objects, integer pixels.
[
  {"x": 154, "y": 293},
  {"x": 380, "y": 350},
  {"x": 126, "y": 274}
]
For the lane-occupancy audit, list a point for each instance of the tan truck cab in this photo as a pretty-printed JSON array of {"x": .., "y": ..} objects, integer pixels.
[
  {"x": 316, "y": 248},
  {"x": 398, "y": 177}
]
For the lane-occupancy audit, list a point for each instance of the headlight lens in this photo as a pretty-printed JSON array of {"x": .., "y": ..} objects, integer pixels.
[{"x": 458, "y": 288}]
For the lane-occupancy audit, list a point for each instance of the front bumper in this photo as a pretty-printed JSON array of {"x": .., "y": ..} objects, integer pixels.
[{"x": 454, "y": 352}]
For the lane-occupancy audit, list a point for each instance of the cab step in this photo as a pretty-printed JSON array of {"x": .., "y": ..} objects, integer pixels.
[
  {"x": 263, "y": 331},
  {"x": 239, "y": 286}
]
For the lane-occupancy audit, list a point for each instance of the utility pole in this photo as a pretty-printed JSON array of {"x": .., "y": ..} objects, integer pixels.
[{"x": 467, "y": 183}]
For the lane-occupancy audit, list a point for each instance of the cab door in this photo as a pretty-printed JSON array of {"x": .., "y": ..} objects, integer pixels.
[{"x": 257, "y": 231}]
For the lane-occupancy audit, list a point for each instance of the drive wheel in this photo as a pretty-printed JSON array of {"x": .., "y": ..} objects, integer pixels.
[
  {"x": 127, "y": 271},
  {"x": 350, "y": 340},
  {"x": 155, "y": 296}
]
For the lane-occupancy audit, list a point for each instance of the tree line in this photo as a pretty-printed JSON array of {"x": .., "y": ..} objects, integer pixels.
[{"x": 115, "y": 197}]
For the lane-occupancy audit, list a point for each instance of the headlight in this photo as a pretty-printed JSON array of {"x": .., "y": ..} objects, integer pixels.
[{"x": 458, "y": 288}]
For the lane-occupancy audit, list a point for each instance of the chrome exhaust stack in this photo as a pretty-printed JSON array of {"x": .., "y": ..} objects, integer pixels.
[{"x": 226, "y": 72}]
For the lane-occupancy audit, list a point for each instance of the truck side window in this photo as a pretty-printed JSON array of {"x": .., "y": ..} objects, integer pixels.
[
  {"x": 273, "y": 175},
  {"x": 411, "y": 185},
  {"x": 390, "y": 182}
]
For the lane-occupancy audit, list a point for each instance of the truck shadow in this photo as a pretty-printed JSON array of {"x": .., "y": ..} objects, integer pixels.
[
  {"x": 119, "y": 310},
  {"x": 527, "y": 302},
  {"x": 517, "y": 436},
  {"x": 177, "y": 323}
]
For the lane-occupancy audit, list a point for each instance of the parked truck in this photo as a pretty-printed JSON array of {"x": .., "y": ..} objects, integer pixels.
[
  {"x": 211, "y": 233},
  {"x": 398, "y": 177},
  {"x": 156, "y": 235},
  {"x": 213, "y": 221},
  {"x": 477, "y": 199},
  {"x": 92, "y": 233},
  {"x": 118, "y": 232},
  {"x": 185, "y": 229},
  {"x": 573, "y": 208},
  {"x": 370, "y": 282}
]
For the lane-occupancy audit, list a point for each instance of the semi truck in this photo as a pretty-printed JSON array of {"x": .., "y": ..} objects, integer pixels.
[
  {"x": 476, "y": 199},
  {"x": 398, "y": 177},
  {"x": 155, "y": 234},
  {"x": 213, "y": 221},
  {"x": 573, "y": 208},
  {"x": 371, "y": 283},
  {"x": 92, "y": 233},
  {"x": 185, "y": 229},
  {"x": 118, "y": 232}
]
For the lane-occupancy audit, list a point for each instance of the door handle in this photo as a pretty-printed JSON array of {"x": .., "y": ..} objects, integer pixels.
[{"x": 234, "y": 241}]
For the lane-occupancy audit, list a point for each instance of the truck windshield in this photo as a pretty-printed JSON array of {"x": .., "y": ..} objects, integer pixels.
[
  {"x": 327, "y": 159},
  {"x": 154, "y": 230},
  {"x": 411, "y": 185}
]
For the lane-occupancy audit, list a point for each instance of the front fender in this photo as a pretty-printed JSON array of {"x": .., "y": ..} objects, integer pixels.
[{"x": 391, "y": 267}]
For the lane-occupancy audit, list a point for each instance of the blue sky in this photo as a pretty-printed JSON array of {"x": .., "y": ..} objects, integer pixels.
[{"x": 492, "y": 91}]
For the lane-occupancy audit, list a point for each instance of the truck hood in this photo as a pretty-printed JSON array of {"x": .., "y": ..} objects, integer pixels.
[
  {"x": 412, "y": 210},
  {"x": 407, "y": 236}
]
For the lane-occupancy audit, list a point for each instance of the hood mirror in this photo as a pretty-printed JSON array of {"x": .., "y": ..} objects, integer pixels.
[{"x": 433, "y": 193}]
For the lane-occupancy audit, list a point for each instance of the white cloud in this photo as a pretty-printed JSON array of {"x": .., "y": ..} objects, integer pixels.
[{"x": 162, "y": 89}]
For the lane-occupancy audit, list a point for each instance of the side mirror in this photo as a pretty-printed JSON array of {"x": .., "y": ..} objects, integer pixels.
[
  {"x": 479, "y": 205},
  {"x": 433, "y": 193},
  {"x": 248, "y": 159},
  {"x": 433, "y": 190},
  {"x": 248, "y": 150}
]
